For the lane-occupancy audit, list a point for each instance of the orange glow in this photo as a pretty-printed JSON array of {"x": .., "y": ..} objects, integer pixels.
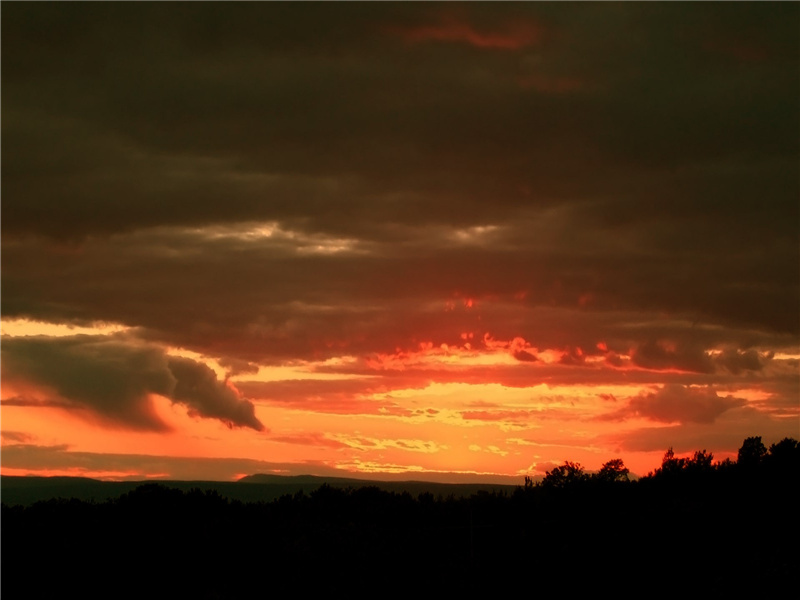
[
  {"x": 494, "y": 352},
  {"x": 486, "y": 407}
]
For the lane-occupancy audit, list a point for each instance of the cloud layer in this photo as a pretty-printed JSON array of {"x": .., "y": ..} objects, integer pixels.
[{"x": 390, "y": 197}]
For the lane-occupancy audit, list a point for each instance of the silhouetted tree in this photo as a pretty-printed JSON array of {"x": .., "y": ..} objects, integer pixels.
[
  {"x": 670, "y": 465},
  {"x": 613, "y": 470},
  {"x": 751, "y": 453},
  {"x": 328, "y": 530},
  {"x": 785, "y": 454},
  {"x": 565, "y": 475},
  {"x": 701, "y": 461}
]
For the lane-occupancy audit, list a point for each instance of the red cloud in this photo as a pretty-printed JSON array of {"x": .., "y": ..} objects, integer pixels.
[{"x": 511, "y": 36}]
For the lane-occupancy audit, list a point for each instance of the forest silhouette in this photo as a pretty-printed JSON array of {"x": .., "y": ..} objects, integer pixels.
[{"x": 693, "y": 525}]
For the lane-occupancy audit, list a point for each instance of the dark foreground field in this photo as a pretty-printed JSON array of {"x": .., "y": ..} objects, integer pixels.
[{"x": 690, "y": 528}]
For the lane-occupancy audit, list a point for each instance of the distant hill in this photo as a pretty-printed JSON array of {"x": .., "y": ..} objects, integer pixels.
[
  {"x": 19, "y": 490},
  {"x": 303, "y": 479}
]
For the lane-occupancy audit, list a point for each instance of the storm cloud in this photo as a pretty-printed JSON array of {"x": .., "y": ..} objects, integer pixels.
[{"x": 113, "y": 377}]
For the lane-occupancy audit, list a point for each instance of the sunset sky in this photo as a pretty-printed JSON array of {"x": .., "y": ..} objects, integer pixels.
[{"x": 450, "y": 242}]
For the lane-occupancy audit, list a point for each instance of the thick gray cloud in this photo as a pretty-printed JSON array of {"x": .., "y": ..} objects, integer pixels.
[
  {"x": 266, "y": 299},
  {"x": 197, "y": 386},
  {"x": 337, "y": 119},
  {"x": 111, "y": 378}
]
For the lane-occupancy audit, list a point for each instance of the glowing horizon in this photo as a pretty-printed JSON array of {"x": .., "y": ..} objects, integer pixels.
[{"x": 493, "y": 429}]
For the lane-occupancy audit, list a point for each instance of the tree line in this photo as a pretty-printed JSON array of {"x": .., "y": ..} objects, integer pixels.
[
  {"x": 693, "y": 523},
  {"x": 753, "y": 456}
]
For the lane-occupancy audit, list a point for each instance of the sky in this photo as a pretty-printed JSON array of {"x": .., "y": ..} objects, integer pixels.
[{"x": 429, "y": 241}]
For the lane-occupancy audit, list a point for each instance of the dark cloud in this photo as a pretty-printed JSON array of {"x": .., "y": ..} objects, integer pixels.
[
  {"x": 737, "y": 361},
  {"x": 197, "y": 386},
  {"x": 675, "y": 403},
  {"x": 316, "y": 116},
  {"x": 39, "y": 402},
  {"x": 112, "y": 377},
  {"x": 657, "y": 355},
  {"x": 524, "y": 356},
  {"x": 282, "y": 302}
]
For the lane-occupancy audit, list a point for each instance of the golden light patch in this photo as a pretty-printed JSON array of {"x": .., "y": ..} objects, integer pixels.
[
  {"x": 26, "y": 327},
  {"x": 257, "y": 232}
]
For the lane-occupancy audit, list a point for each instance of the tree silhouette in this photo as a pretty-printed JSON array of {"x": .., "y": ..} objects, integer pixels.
[
  {"x": 670, "y": 465},
  {"x": 471, "y": 540},
  {"x": 613, "y": 470},
  {"x": 565, "y": 475},
  {"x": 701, "y": 461},
  {"x": 784, "y": 455},
  {"x": 751, "y": 453}
]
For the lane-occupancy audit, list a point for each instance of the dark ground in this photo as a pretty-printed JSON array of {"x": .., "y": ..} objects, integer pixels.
[{"x": 712, "y": 531}]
